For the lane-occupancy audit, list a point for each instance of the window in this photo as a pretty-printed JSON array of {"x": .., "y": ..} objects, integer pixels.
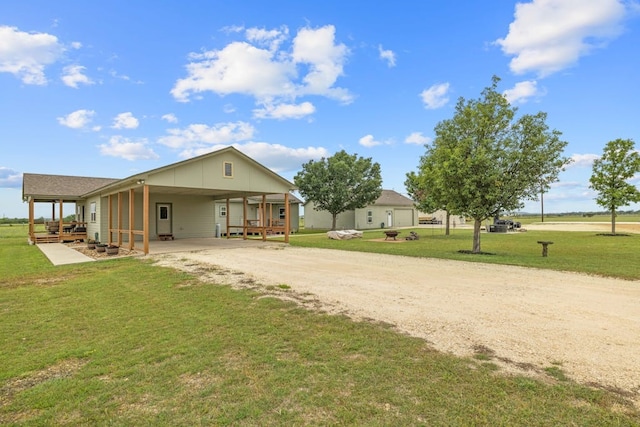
[
  {"x": 228, "y": 169},
  {"x": 164, "y": 212},
  {"x": 281, "y": 213},
  {"x": 369, "y": 217},
  {"x": 223, "y": 211},
  {"x": 92, "y": 212}
]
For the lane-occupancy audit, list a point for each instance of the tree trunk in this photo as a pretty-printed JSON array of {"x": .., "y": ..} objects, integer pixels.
[
  {"x": 446, "y": 229},
  {"x": 476, "y": 236},
  {"x": 333, "y": 222},
  {"x": 613, "y": 220}
]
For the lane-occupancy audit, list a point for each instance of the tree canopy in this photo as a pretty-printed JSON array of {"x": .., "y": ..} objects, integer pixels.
[
  {"x": 340, "y": 183},
  {"x": 619, "y": 163},
  {"x": 485, "y": 161}
]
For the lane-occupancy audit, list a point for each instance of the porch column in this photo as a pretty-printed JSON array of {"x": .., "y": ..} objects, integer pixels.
[
  {"x": 119, "y": 218},
  {"x": 131, "y": 218},
  {"x": 227, "y": 219},
  {"x": 264, "y": 217},
  {"x": 287, "y": 219},
  {"x": 109, "y": 217},
  {"x": 60, "y": 225},
  {"x": 244, "y": 217},
  {"x": 32, "y": 236},
  {"x": 145, "y": 217}
]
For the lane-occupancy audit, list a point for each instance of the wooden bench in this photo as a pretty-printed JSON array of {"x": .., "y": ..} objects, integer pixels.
[{"x": 165, "y": 236}]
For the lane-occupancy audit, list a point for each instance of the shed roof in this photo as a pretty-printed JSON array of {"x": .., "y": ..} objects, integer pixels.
[
  {"x": 392, "y": 198},
  {"x": 43, "y": 187}
]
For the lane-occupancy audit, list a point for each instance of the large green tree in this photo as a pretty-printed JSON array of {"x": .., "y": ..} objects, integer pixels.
[
  {"x": 611, "y": 172},
  {"x": 485, "y": 161},
  {"x": 340, "y": 183}
]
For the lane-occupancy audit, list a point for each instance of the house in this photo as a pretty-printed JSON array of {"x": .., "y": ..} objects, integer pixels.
[
  {"x": 181, "y": 200},
  {"x": 391, "y": 209}
]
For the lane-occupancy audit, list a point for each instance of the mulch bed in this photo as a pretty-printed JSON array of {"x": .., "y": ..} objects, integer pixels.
[{"x": 92, "y": 253}]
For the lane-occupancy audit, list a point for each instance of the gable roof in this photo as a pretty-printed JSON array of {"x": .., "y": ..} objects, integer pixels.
[
  {"x": 54, "y": 187},
  {"x": 392, "y": 198}
]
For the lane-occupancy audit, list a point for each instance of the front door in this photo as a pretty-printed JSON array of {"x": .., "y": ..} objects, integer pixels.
[
  {"x": 389, "y": 219},
  {"x": 163, "y": 218}
]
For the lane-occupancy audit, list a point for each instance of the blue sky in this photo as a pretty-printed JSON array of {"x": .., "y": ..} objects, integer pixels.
[{"x": 108, "y": 89}]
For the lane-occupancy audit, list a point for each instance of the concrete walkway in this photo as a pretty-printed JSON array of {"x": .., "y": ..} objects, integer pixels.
[{"x": 60, "y": 254}]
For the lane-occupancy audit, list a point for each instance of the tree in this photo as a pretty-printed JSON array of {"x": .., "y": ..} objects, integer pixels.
[
  {"x": 483, "y": 161},
  {"x": 340, "y": 183},
  {"x": 619, "y": 163}
]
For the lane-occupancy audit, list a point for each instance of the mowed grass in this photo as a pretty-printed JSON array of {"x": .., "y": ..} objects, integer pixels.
[
  {"x": 586, "y": 252},
  {"x": 123, "y": 342}
]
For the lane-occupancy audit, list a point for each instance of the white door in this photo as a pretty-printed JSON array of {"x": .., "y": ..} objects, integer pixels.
[
  {"x": 389, "y": 219},
  {"x": 163, "y": 218}
]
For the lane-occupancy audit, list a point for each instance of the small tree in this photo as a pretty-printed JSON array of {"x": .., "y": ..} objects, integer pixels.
[
  {"x": 483, "y": 161},
  {"x": 339, "y": 183},
  {"x": 619, "y": 163}
]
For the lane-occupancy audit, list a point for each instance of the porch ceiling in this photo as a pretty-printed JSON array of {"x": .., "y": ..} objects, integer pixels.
[{"x": 216, "y": 194}]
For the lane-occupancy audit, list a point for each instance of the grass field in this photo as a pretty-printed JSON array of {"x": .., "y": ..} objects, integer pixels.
[
  {"x": 587, "y": 252},
  {"x": 123, "y": 342}
]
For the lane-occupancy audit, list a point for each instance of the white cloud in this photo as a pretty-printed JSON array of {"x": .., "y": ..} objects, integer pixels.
[
  {"x": 73, "y": 75},
  {"x": 79, "y": 119},
  {"x": 274, "y": 75},
  {"x": 522, "y": 91},
  {"x": 127, "y": 149},
  {"x": 200, "y": 136},
  {"x": 170, "y": 118},
  {"x": 417, "y": 138},
  {"x": 550, "y": 35},
  {"x": 125, "y": 121},
  {"x": 271, "y": 38},
  {"x": 10, "y": 178},
  {"x": 274, "y": 156},
  {"x": 388, "y": 56},
  {"x": 25, "y": 55},
  {"x": 435, "y": 96},
  {"x": 582, "y": 160},
  {"x": 368, "y": 141},
  {"x": 284, "y": 111}
]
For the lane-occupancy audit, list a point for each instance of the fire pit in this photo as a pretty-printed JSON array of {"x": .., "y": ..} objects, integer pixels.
[{"x": 391, "y": 233}]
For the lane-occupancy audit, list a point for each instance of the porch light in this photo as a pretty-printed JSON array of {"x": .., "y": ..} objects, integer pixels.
[{"x": 140, "y": 181}]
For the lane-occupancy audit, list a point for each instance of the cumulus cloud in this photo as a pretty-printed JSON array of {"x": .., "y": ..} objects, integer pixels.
[
  {"x": 547, "y": 36},
  {"x": 79, "y": 119},
  {"x": 10, "y": 178},
  {"x": 73, "y": 75},
  {"x": 264, "y": 68},
  {"x": 170, "y": 118},
  {"x": 125, "y": 121},
  {"x": 201, "y": 136},
  {"x": 284, "y": 111},
  {"x": 522, "y": 91},
  {"x": 436, "y": 96},
  {"x": 387, "y": 55},
  {"x": 127, "y": 149},
  {"x": 369, "y": 141},
  {"x": 417, "y": 138},
  {"x": 582, "y": 160},
  {"x": 26, "y": 55}
]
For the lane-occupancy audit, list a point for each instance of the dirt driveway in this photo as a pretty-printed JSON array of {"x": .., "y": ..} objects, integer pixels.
[{"x": 529, "y": 319}]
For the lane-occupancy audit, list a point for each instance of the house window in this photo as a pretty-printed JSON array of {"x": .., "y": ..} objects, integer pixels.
[
  {"x": 281, "y": 213},
  {"x": 369, "y": 217},
  {"x": 223, "y": 211},
  {"x": 228, "y": 170},
  {"x": 164, "y": 212},
  {"x": 92, "y": 212}
]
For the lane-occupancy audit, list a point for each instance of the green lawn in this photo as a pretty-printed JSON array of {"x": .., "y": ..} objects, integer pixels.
[
  {"x": 587, "y": 252},
  {"x": 123, "y": 342}
]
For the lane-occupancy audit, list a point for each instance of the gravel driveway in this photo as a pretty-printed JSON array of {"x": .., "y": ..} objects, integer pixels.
[{"x": 529, "y": 319}]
